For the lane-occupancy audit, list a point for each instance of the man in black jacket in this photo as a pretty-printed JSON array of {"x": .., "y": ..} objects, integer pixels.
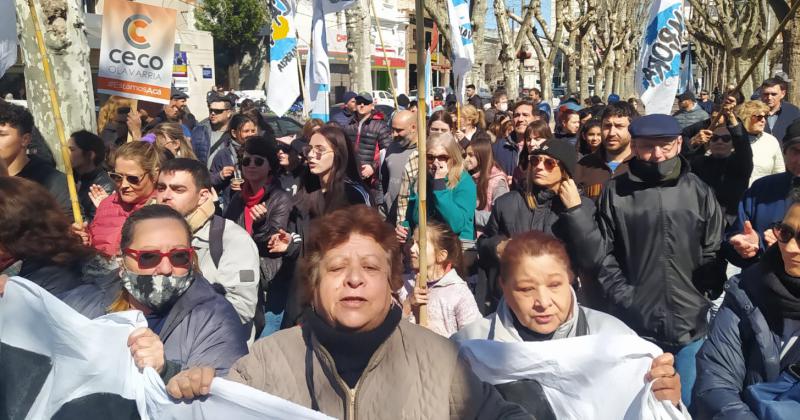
[
  {"x": 781, "y": 113},
  {"x": 369, "y": 132},
  {"x": 662, "y": 227}
]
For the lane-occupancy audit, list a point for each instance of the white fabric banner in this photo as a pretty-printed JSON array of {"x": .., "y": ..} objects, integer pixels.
[
  {"x": 54, "y": 355},
  {"x": 658, "y": 73},
  {"x": 8, "y": 36},
  {"x": 284, "y": 80},
  {"x": 461, "y": 39},
  {"x": 577, "y": 374}
]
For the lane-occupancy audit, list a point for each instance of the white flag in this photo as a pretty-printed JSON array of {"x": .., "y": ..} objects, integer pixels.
[
  {"x": 659, "y": 71},
  {"x": 284, "y": 81},
  {"x": 461, "y": 39},
  {"x": 8, "y": 36}
]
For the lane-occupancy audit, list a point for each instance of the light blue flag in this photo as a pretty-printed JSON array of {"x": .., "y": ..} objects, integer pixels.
[{"x": 659, "y": 69}]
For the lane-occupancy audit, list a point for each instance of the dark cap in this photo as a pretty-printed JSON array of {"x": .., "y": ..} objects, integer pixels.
[
  {"x": 655, "y": 126},
  {"x": 792, "y": 136},
  {"x": 437, "y": 96},
  {"x": 686, "y": 96},
  {"x": 561, "y": 150},
  {"x": 217, "y": 97},
  {"x": 177, "y": 94},
  {"x": 364, "y": 98},
  {"x": 613, "y": 98},
  {"x": 348, "y": 96},
  {"x": 450, "y": 99}
]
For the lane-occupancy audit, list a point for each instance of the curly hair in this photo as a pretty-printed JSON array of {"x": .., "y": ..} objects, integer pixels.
[
  {"x": 334, "y": 229},
  {"x": 32, "y": 225},
  {"x": 746, "y": 111}
]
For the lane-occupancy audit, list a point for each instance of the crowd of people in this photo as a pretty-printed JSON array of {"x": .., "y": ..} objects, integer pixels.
[{"x": 291, "y": 264}]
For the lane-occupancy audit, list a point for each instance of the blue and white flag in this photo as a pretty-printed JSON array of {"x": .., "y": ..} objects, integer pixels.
[
  {"x": 659, "y": 69},
  {"x": 687, "y": 78},
  {"x": 318, "y": 72},
  {"x": 428, "y": 83},
  {"x": 284, "y": 81},
  {"x": 8, "y": 36},
  {"x": 461, "y": 40}
]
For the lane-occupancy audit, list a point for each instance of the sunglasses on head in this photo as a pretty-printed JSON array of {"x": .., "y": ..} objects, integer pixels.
[
  {"x": 257, "y": 160},
  {"x": 178, "y": 257},
  {"x": 440, "y": 158},
  {"x": 132, "y": 179},
  {"x": 784, "y": 233},
  {"x": 216, "y": 111},
  {"x": 726, "y": 139},
  {"x": 549, "y": 163}
]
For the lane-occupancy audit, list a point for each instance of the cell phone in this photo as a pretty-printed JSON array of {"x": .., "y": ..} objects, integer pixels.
[{"x": 125, "y": 110}]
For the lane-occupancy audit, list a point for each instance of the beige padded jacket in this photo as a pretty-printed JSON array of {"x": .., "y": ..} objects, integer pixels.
[{"x": 414, "y": 374}]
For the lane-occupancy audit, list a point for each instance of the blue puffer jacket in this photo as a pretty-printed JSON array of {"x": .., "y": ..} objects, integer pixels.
[
  {"x": 743, "y": 346},
  {"x": 763, "y": 204},
  {"x": 201, "y": 329}
]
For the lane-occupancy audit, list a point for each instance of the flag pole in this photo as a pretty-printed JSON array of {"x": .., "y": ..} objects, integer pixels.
[
  {"x": 422, "y": 280},
  {"x": 51, "y": 86},
  {"x": 385, "y": 57},
  {"x": 300, "y": 72}
]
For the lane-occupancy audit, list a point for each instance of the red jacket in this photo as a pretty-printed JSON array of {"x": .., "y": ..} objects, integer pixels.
[{"x": 106, "y": 227}]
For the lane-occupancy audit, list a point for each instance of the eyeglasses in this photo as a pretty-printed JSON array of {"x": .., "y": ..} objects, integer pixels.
[
  {"x": 665, "y": 147},
  {"x": 726, "y": 139},
  {"x": 784, "y": 233},
  {"x": 258, "y": 160},
  {"x": 178, "y": 257},
  {"x": 217, "y": 111},
  {"x": 315, "y": 152},
  {"x": 132, "y": 179},
  {"x": 440, "y": 158},
  {"x": 549, "y": 163},
  {"x": 759, "y": 117}
]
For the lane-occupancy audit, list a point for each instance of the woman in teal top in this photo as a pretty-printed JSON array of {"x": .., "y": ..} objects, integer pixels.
[{"x": 451, "y": 191}]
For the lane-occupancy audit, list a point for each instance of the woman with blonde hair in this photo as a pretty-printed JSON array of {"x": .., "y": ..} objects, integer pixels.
[
  {"x": 472, "y": 123},
  {"x": 452, "y": 193},
  {"x": 118, "y": 122},
  {"x": 767, "y": 154},
  {"x": 170, "y": 138}
]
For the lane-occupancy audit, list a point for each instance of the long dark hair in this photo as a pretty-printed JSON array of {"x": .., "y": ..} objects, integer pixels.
[
  {"x": 443, "y": 116},
  {"x": 583, "y": 145},
  {"x": 537, "y": 128},
  {"x": 481, "y": 145},
  {"x": 32, "y": 225},
  {"x": 344, "y": 169}
]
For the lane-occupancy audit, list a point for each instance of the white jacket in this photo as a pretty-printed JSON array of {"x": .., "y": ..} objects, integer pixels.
[{"x": 767, "y": 156}]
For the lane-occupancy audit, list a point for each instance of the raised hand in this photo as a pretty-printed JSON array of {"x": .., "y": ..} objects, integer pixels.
[
  {"x": 279, "y": 242},
  {"x": 746, "y": 243},
  {"x": 97, "y": 194}
]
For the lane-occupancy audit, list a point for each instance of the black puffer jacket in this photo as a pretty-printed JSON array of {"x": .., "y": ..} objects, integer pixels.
[
  {"x": 662, "y": 240},
  {"x": 97, "y": 177},
  {"x": 369, "y": 137}
]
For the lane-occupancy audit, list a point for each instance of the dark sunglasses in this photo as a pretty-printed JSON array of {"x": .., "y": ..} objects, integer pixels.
[
  {"x": 726, "y": 139},
  {"x": 549, "y": 163},
  {"x": 440, "y": 158},
  {"x": 132, "y": 179},
  {"x": 178, "y": 257},
  {"x": 216, "y": 111},
  {"x": 784, "y": 233},
  {"x": 259, "y": 161},
  {"x": 759, "y": 117}
]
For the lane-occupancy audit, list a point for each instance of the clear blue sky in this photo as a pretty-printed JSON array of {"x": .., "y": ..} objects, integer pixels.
[{"x": 516, "y": 7}]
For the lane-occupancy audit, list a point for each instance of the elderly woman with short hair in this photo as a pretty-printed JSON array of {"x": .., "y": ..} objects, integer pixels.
[
  {"x": 355, "y": 357},
  {"x": 767, "y": 154}
]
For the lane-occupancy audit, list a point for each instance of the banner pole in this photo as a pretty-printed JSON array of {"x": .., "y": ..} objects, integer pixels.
[
  {"x": 385, "y": 57},
  {"x": 422, "y": 167},
  {"x": 51, "y": 87}
]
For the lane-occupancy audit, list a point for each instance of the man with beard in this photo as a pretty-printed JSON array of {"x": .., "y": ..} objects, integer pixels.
[
  {"x": 506, "y": 151},
  {"x": 595, "y": 169},
  {"x": 403, "y": 148},
  {"x": 662, "y": 226}
]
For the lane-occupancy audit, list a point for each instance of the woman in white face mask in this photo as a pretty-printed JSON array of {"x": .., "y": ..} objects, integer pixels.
[{"x": 499, "y": 105}]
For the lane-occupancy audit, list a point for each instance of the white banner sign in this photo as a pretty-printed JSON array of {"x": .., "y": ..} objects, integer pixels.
[
  {"x": 8, "y": 35},
  {"x": 284, "y": 80},
  {"x": 658, "y": 73},
  {"x": 463, "y": 48},
  {"x": 136, "y": 51}
]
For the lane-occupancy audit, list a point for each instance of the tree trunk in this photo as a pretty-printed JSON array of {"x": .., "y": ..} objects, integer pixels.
[
  {"x": 233, "y": 72},
  {"x": 586, "y": 67},
  {"x": 508, "y": 56},
  {"x": 791, "y": 57},
  {"x": 479, "y": 9},
  {"x": 359, "y": 47},
  {"x": 62, "y": 22},
  {"x": 254, "y": 66}
]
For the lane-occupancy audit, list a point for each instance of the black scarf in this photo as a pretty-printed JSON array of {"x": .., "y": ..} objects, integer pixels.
[
  {"x": 783, "y": 290},
  {"x": 528, "y": 334},
  {"x": 351, "y": 351}
]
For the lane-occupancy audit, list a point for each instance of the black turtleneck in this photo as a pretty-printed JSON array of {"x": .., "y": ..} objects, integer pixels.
[
  {"x": 351, "y": 351},
  {"x": 528, "y": 334}
]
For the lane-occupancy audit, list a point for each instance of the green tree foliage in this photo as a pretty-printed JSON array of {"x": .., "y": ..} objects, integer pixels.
[{"x": 232, "y": 23}]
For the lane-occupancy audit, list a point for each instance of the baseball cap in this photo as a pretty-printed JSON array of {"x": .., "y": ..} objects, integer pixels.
[
  {"x": 364, "y": 97},
  {"x": 348, "y": 96},
  {"x": 655, "y": 126},
  {"x": 177, "y": 94}
]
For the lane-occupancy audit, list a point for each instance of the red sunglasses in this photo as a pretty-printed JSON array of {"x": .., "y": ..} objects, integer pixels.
[{"x": 178, "y": 257}]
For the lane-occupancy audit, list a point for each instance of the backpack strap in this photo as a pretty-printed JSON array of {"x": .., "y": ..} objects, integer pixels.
[
  {"x": 215, "y": 239},
  {"x": 582, "y": 327}
]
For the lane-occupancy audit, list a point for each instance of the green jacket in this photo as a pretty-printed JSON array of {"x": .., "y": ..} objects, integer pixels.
[{"x": 455, "y": 206}]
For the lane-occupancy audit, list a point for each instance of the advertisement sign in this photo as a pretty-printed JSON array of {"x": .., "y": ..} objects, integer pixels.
[
  {"x": 208, "y": 73},
  {"x": 179, "y": 65},
  {"x": 136, "y": 49}
]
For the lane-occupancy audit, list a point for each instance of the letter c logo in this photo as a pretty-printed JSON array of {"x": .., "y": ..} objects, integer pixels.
[{"x": 130, "y": 30}]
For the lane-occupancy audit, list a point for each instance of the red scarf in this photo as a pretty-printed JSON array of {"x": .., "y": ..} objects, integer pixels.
[{"x": 250, "y": 201}]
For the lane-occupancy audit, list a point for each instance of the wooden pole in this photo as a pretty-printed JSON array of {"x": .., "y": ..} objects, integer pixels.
[
  {"x": 385, "y": 57},
  {"x": 778, "y": 30},
  {"x": 51, "y": 86},
  {"x": 422, "y": 186},
  {"x": 303, "y": 92}
]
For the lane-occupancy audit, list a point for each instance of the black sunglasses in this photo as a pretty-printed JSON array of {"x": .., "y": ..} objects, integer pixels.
[
  {"x": 259, "y": 161},
  {"x": 726, "y": 139},
  {"x": 784, "y": 233},
  {"x": 132, "y": 179},
  {"x": 216, "y": 111}
]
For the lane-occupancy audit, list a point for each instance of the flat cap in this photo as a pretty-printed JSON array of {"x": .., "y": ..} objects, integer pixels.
[{"x": 655, "y": 126}]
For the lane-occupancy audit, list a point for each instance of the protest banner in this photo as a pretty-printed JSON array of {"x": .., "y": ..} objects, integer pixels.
[{"x": 136, "y": 51}]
